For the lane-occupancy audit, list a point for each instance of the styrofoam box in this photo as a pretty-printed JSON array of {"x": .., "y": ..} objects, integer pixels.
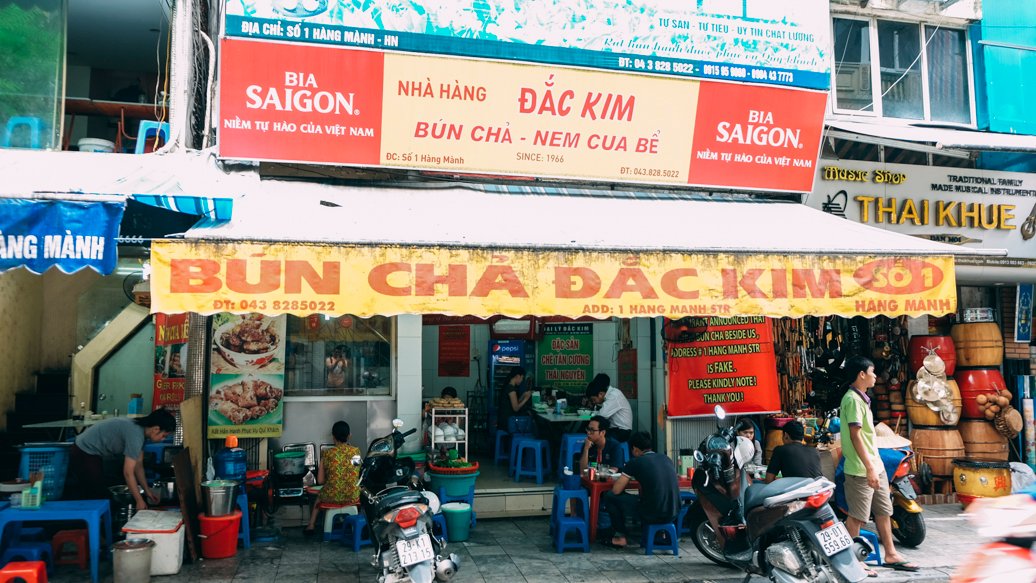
[{"x": 166, "y": 529}]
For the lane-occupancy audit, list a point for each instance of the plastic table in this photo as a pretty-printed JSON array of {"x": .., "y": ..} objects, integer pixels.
[
  {"x": 94, "y": 512},
  {"x": 596, "y": 488}
]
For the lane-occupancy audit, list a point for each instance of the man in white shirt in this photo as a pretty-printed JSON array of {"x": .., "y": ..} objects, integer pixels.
[{"x": 614, "y": 406}]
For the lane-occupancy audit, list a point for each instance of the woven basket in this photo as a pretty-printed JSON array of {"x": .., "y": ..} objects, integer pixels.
[{"x": 453, "y": 471}]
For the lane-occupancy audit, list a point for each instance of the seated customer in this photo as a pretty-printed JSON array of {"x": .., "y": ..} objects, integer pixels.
[
  {"x": 598, "y": 447},
  {"x": 614, "y": 406},
  {"x": 746, "y": 429},
  {"x": 659, "y": 500},
  {"x": 794, "y": 459},
  {"x": 337, "y": 474}
]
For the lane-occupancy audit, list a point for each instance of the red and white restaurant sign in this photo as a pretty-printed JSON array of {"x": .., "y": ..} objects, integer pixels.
[
  {"x": 327, "y": 105},
  {"x": 731, "y": 363}
]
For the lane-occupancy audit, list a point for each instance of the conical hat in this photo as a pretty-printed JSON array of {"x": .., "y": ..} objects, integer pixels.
[{"x": 885, "y": 438}]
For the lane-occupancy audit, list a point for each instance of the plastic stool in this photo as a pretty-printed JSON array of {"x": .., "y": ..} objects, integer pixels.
[
  {"x": 35, "y": 126},
  {"x": 26, "y": 533},
  {"x": 28, "y": 551},
  {"x": 354, "y": 526},
  {"x": 439, "y": 524},
  {"x": 148, "y": 130},
  {"x": 540, "y": 450},
  {"x": 76, "y": 538},
  {"x": 244, "y": 533},
  {"x": 560, "y": 504},
  {"x": 469, "y": 498},
  {"x": 30, "y": 571},
  {"x": 653, "y": 530},
  {"x": 570, "y": 524},
  {"x": 872, "y": 537},
  {"x": 571, "y": 444},
  {"x": 516, "y": 439},
  {"x": 331, "y": 512},
  {"x": 500, "y": 451},
  {"x": 680, "y": 517}
]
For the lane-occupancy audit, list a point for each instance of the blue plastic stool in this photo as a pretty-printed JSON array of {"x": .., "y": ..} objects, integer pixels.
[
  {"x": 653, "y": 530},
  {"x": 148, "y": 130},
  {"x": 244, "y": 533},
  {"x": 559, "y": 506},
  {"x": 540, "y": 450},
  {"x": 354, "y": 525},
  {"x": 439, "y": 525},
  {"x": 571, "y": 445},
  {"x": 35, "y": 126},
  {"x": 500, "y": 450},
  {"x": 334, "y": 517},
  {"x": 469, "y": 498},
  {"x": 21, "y": 533},
  {"x": 516, "y": 439},
  {"x": 873, "y": 539},
  {"x": 29, "y": 551},
  {"x": 569, "y": 524},
  {"x": 680, "y": 517},
  {"x": 625, "y": 448}
]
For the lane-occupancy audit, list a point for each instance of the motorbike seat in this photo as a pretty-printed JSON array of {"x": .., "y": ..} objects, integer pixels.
[
  {"x": 757, "y": 493},
  {"x": 392, "y": 497}
]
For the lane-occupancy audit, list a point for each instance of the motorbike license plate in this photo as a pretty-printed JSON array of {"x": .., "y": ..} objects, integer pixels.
[
  {"x": 416, "y": 550},
  {"x": 834, "y": 539}
]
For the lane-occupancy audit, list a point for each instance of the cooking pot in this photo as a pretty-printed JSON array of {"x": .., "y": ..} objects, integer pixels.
[{"x": 290, "y": 463}]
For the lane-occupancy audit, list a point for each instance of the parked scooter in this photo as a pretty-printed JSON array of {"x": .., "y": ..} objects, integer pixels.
[
  {"x": 399, "y": 515},
  {"x": 784, "y": 530},
  {"x": 908, "y": 525},
  {"x": 1012, "y": 520}
]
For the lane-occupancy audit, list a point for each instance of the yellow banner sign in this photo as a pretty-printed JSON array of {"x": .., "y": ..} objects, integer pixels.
[{"x": 301, "y": 279}]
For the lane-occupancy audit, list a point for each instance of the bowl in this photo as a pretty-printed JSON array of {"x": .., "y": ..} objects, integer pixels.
[
  {"x": 584, "y": 412},
  {"x": 243, "y": 359}
]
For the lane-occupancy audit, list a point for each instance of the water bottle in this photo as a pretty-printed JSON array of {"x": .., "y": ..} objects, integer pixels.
[{"x": 230, "y": 461}]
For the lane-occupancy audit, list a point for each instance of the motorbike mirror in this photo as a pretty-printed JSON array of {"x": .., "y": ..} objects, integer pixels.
[
  {"x": 356, "y": 460},
  {"x": 721, "y": 414},
  {"x": 698, "y": 457},
  {"x": 397, "y": 423}
]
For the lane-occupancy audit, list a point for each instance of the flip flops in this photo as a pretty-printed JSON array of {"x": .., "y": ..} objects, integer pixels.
[
  {"x": 902, "y": 566},
  {"x": 870, "y": 572}
]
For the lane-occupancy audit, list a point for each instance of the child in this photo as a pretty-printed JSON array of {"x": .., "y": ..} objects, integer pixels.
[{"x": 338, "y": 475}]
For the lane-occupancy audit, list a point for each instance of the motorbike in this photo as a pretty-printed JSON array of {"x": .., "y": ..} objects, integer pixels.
[
  {"x": 908, "y": 525},
  {"x": 784, "y": 530},
  {"x": 399, "y": 514},
  {"x": 1011, "y": 520}
]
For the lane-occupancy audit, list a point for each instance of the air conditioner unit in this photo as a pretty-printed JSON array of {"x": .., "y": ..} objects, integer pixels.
[{"x": 527, "y": 328}]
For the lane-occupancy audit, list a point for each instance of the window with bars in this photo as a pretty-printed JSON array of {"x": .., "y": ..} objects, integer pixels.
[{"x": 902, "y": 70}]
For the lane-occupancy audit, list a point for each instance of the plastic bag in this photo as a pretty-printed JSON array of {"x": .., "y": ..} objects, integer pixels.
[{"x": 1022, "y": 477}]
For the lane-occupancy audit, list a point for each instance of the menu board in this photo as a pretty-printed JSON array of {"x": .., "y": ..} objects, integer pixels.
[
  {"x": 565, "y": 356},
  {"x": 246, "y": 380},
  {"x": 728, "y": 362},
  {"x": 171, "y": 331}
]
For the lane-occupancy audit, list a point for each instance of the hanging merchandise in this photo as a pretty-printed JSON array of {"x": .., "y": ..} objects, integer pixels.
[{"x": 936, "y": 392}]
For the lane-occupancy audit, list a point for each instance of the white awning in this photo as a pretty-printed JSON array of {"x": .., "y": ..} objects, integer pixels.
[
  {"x": 459, "y": 217},
  {"x": 943, "y": 138}
]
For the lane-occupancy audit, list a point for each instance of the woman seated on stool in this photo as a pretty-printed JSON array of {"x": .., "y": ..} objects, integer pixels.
[{"x": 337, "y": 474}]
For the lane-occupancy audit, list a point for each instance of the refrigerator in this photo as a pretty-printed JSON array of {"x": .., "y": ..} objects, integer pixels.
[{"x": 503, "y": 356}]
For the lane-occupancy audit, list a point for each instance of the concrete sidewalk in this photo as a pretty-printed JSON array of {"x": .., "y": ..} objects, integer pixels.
[{"x": 519, "y": 550}]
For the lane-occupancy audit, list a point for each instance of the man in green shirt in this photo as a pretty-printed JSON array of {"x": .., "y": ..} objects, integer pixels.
[{"x": 866, "y": 484}]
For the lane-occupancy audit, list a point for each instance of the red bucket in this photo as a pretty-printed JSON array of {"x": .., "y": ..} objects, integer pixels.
[{"x": 219, "y": 535}]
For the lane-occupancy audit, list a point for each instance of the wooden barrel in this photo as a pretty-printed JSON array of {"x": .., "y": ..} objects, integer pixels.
[
  {"x": 774, "y": 439},
  {"x": 920, "y": 346},
  {"x": 980, "y": 479},
  {"x": 978, "y": 344},
  {"x": 919, "y": 413},
  {"x": 938, "y": 448},
  {"x": 974, "y": 382},
  {"x": 982, "y": 441}
]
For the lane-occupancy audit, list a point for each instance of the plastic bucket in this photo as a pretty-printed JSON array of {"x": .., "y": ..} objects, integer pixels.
[
  {"x": 458, "y": 521},
  {"x": 96, "y": 145},
  {"x": 220, "y": 497},
  {"x": 132, "y": 562},
  {"x": 455, "y": 484},
  {"x": 219, "y": 535}
]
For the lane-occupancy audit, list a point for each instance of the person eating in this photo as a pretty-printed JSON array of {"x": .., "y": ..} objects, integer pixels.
[
  {"x": 659, "y": 500},
  {"x": 794, "y": 459},
  {"x": 120, "y": 438},
  {"x": 614, "y": 406},
  {"x": 598, "y": 447}
]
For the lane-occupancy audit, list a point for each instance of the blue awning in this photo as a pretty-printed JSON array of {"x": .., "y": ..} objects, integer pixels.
[
  {"x": 219, "y": 210},
  {"x": 40, "y": 233}
]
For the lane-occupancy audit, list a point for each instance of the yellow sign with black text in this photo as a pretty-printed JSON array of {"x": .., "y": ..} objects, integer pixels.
[{"x": 301, "y": 279}]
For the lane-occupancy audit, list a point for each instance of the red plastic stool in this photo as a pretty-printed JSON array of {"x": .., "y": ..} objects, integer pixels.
[
  {"x": 78, "y": 556},
  {"x": 29, "y": 571}
]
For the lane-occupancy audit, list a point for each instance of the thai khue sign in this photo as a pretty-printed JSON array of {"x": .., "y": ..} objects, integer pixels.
[
  {"x": 299, "y": 103},
  {"x": 731, "y": 363},
  {"x": 785, "y": 43},
  {"x": 301, "y": 279},
  {"x": 971, "y": 208}
]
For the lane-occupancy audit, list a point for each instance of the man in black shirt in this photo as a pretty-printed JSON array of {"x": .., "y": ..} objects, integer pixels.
[
  {"x": 794, "y": 459},
  {"x": 659, "y": 500}
]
